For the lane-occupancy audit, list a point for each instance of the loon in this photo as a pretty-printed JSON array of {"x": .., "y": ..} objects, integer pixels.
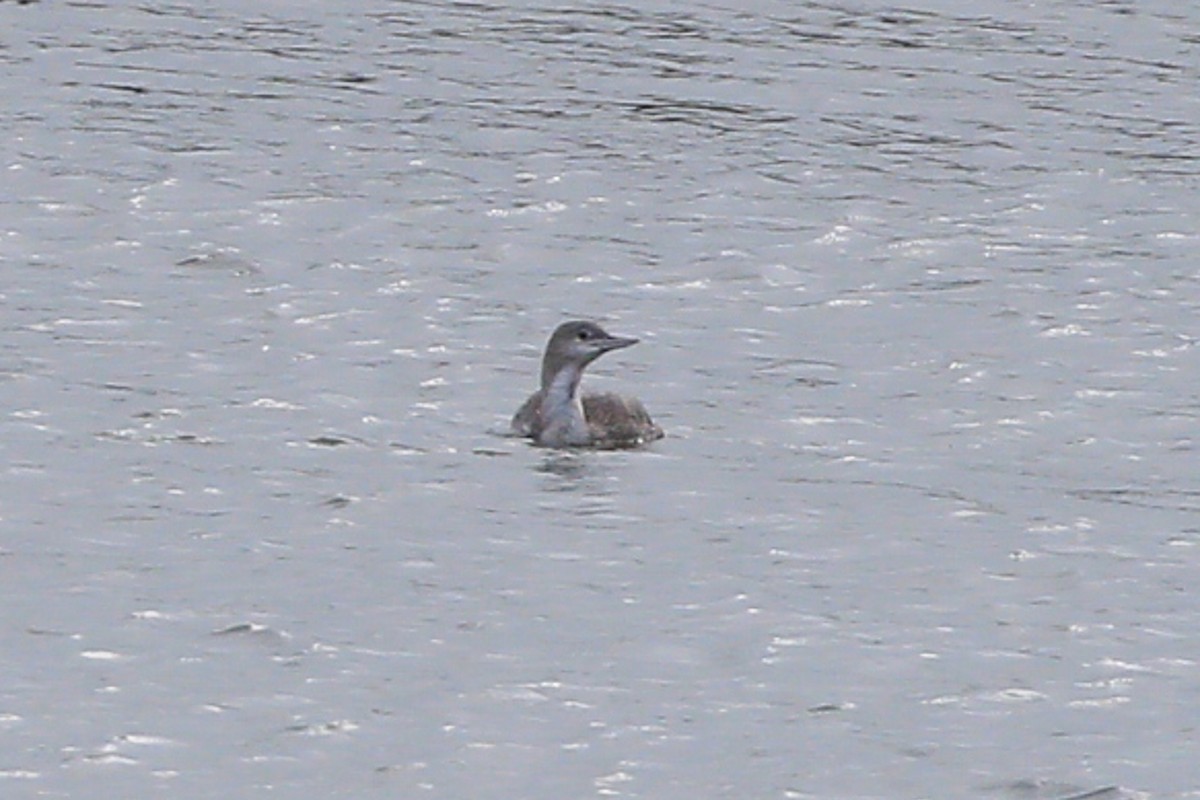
[{"x": 558, "y": 415}]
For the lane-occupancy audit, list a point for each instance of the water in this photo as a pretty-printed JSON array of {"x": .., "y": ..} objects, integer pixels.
[{"x": 918, "y": 300}]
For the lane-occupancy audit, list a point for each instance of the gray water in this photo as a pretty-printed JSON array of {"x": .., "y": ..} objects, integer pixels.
[{"x": 918, "y": 293}]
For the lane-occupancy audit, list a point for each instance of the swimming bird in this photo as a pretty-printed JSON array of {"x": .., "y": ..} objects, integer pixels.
[{"x": 558, "y": 415}]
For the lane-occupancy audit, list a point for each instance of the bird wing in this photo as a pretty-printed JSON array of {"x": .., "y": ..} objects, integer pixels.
[{"x": 618, "y": 421}]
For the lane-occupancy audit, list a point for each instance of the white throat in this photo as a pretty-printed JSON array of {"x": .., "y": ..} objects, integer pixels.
[{"x": 561, "y": 410}]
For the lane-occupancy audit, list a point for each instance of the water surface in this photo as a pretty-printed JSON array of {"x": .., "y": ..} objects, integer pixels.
[{"x": 918, "y": 299}]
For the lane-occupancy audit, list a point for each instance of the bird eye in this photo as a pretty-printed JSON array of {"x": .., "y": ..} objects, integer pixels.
[{"x": 583, "y": 336}]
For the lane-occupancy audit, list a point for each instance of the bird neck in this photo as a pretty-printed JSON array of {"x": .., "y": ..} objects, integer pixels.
[{"x": 561, "y": 406}]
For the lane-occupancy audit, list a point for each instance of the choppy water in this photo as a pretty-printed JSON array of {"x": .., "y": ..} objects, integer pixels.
[{"x": 918, "y": 295}]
